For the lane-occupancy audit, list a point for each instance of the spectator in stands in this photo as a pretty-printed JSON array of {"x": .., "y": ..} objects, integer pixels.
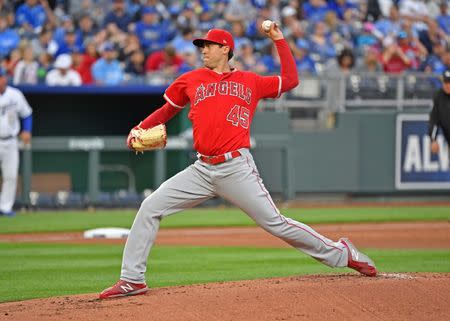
[
  {"x": 443, "y": 19},
  {"x": 69, "y": 44},
  {"x": 385, "y": 6},
  {"x": 238, "y": 31},
  {"x": 44, "y": 43},
  {"x": 247, "y": 59},
  {"x": 107, "y": 70},
  {"x": 206, "y": 20},
  {"x": 9, "y": 38},
  {"x": 67, "y": 23},
  {"x": 86, "y": 30},
  {"x": 26, "y": 70},
  {"x": 373, "y": 11},
  {"x": 344, "y": 63},
  {"x": 45, "y": 65},
  {"x": 187, "y": 18},
  {"x": 62, "y": 74},
  {"x": 165, "y": 61},
  {"x": 129, "y": 47},
  {"x": 446, "y": 58},
  {"x": 118, "y": 16},
  {"x": 77, "y": 9},
  {"x": 115, "y": 35},
  {"x": 394, "y": 60},
  {"x": 340, "y": 6},
  {"x": 288, "y": 16},
  {"x": 390, "y": 26},
  {"x": 366, "y": 38},
  {"x": 272, "y": 60},
  {"x": 433, "y": 63},
  {"x": 296, "y": 30},
  {"x": 305, "y": 64},
  {"x": 315, "y": 10},
  {"x": 239, "y": 10},
  {"x": 183, "y": 42},
  {"x": 412, "y": 48},
  {"x": 433, "y": 34},
  {"x": 190, "y": 61},
  {"x": 160, "y": 8},
  {"x": 370, "y": 61},
  {"x": 414, "y": 9},
  {"x": 32, "y": 15},
  {"x": 88, "y": 58},
  {"x": 349, "y": 28},
  {"x": 135, "y": 69},
  {"x": 7, "y": 10},
  {"x": 11, "y": 60},
  {"x": 321, "y": 43},
  {"x": 150, "y": 31}
]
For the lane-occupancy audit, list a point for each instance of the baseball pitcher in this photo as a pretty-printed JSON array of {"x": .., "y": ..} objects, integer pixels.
[
  {"x": 222, "y": 101},
  {"x": 13, "y": 106}
]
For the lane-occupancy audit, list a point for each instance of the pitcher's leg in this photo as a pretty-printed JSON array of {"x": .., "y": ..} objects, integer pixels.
[
  {"x": 245, "y": 189},
  {"x": 184, "y": 190},
  {"x": 10, "y": 166}
]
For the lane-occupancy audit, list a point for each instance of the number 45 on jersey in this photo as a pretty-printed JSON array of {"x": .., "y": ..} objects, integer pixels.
[{"x": 239, "y": 116}]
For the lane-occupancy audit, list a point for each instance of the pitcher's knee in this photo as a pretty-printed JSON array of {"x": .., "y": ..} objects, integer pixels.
[{"x": 148, "y": 208}]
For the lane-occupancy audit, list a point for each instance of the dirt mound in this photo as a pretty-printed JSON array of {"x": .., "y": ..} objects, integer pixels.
[{"x": 325, "y": 297}]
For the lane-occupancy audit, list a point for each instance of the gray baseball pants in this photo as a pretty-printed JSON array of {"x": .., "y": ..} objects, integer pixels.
[{"x": 237, "y": 181}]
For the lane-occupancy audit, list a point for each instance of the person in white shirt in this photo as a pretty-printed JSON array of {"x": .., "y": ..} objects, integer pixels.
[
  {"x": 413, "y": 8},
  {"x": 15, "y": 121},
  {"x": 26, "y": 70},
  {"x": 62, "y": 75}
]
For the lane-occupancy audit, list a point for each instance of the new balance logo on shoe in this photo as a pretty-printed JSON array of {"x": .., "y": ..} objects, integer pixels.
[
  {"x": 123, "y": 288},
  {"x": 126, "y": 288}
]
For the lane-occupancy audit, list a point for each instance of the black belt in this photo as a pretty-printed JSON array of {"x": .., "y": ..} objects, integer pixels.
[{"x": 6, "y": 137}]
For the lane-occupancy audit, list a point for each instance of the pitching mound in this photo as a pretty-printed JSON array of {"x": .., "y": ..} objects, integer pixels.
[{"x": 333, "y": 297}]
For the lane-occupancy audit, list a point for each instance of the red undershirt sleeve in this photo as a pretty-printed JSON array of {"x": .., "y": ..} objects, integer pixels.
[
  {"x": 289, "y": 74},
  {"x": 274, "y": 86},
  {"x": 160, "y": 116}
]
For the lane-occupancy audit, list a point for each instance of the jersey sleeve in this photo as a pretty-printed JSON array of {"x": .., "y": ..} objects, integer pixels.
[
  {"x": 268, "y": 86},
  {"x": 24, "y": 109},
  {"x": 176, "y": 94}
]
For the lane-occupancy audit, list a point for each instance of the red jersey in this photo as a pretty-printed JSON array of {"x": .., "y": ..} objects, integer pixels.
[
  {"x": 222, "y": 106},
  {"x": 156, "y": 61}
]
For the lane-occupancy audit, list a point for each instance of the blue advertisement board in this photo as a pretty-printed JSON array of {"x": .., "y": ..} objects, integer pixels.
[{"x": 416, "y": 167}]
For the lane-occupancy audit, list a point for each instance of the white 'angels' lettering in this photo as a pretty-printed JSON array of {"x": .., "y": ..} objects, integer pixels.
[{"x": 223, "y": 88}]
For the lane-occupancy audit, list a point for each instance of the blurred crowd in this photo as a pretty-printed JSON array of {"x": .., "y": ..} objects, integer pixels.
[{"x": 110, "y": 42}]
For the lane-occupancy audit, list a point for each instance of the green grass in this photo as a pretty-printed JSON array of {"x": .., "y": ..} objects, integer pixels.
[
  {"x": 45, "y": 270},
  {"x": 82, "y": 220}
]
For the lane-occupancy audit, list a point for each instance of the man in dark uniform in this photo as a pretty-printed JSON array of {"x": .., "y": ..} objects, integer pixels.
[{"x": 440, "y": 114}]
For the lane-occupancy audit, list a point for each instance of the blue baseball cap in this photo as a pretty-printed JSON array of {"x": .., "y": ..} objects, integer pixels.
[
  {"x": 108, "y": 46},
  {"x": 402, "y": 35},
  {"x": 149, "y": 9}
]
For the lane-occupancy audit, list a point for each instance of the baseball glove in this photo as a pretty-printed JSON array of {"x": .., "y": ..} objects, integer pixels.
[{"x": 140, "y": 139}]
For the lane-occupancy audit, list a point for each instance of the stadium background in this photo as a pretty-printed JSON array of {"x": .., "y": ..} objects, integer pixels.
[{"x": 331, "y": 144}]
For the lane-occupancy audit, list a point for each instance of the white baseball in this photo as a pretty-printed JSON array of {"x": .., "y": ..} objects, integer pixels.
[{"x": 266, "y": 25}]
